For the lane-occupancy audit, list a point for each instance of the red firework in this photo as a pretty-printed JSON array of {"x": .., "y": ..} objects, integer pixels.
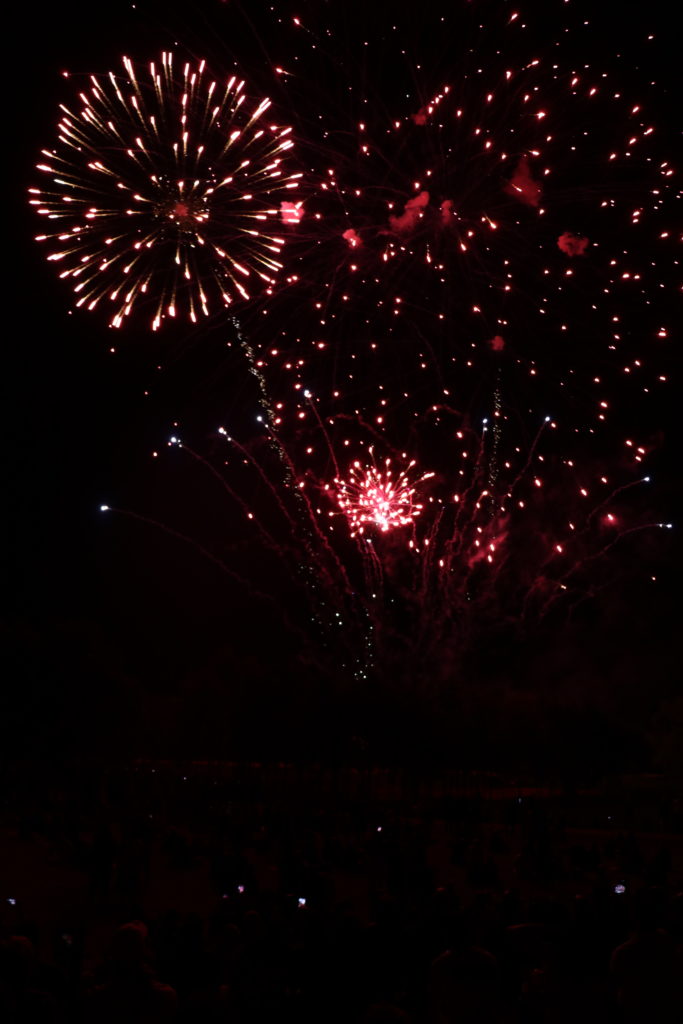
[
  {"x": 166, "y": 185},
  {"x": 374, "y": 496}
]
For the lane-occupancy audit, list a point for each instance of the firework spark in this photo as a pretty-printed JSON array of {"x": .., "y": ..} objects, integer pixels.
[
  {"x": 522, "y": 203},
  {"x": 167, "y": 185}
]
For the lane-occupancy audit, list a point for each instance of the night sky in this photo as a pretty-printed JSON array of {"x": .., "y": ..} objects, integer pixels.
[{"x": 124, "y": 639}]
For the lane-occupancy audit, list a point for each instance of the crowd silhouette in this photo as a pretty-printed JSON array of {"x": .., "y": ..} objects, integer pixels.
[{"x": 198, "y": 900}]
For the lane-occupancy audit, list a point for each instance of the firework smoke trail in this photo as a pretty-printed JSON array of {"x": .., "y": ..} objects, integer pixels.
[
  {"x": 244, "y": 583},
  {"x": 264, "y": 534},
  {"x": 561, "y": 584},
  {"x": 165, "y": 186},
  {"x": 323, "y": 573},
  {"x": 303, "y": 526},
  {"x": 274, "y": 439},
  {"x": 209, "y": 555}
]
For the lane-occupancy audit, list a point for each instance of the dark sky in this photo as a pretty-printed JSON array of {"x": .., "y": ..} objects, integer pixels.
[{"x": 92, "y": 596}]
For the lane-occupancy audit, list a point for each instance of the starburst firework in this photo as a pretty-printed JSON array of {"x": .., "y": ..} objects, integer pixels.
[{"x": 167, "y": 185}]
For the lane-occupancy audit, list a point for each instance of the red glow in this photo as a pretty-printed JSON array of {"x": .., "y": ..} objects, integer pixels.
[
  {"x": 447, "y": 212},
  {"x": 181, "y": 210},
  {"x": 352, "y": 238},
  {"x": 413, "y": 211},
  {"x": 422, "y": 116},
  {"x": 291, "y": 213},
  {"x": 522, "y": 185},
  {"x": 572, "y": 245}
]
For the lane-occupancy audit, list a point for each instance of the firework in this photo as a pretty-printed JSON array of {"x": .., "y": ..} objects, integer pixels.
[
  {"x": 376, "y": 497},
  {"x": 479, "y": 282},
  {"x": 166, "y": 192}
]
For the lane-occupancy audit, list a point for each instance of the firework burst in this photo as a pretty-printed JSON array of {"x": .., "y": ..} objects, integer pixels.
[
  {"x": 166, "y": 185},
  {"x": 374, "y": 496}
]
